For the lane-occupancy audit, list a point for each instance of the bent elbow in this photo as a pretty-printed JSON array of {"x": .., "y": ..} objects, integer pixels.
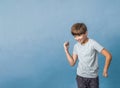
[
  {"x": 110, "y": 56},
  {"x": 72, "y": 64}
]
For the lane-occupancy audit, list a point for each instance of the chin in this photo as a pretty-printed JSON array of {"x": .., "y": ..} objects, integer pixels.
[{"x": 80, "y": 42}]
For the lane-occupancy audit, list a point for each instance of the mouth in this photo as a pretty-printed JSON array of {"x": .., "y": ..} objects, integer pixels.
[{"x": 79, "y": 40}]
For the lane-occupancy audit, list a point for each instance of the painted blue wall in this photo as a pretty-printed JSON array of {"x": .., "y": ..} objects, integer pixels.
[{"x": 32, "y": 33}]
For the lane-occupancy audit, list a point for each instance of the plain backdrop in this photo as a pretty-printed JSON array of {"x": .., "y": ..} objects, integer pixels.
[{"x": 32, "y": 33}]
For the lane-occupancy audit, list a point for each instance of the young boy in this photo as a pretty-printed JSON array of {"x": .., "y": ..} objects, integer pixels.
[{"x": 85, "y": 50}]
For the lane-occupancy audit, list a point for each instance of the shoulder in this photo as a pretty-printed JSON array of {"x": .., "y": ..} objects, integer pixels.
[{"x": 92, "y": 41}]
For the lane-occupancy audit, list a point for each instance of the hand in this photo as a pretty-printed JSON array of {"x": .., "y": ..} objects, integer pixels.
[
  {"x": 105, "y": 74},
  {"x": 66, "y": 46}
]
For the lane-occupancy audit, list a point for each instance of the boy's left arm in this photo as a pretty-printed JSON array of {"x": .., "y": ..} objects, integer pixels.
[{"x": 108, "y": 58}]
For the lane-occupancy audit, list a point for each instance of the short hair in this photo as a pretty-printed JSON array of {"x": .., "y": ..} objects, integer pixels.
[{"x": 78, "y": 29}]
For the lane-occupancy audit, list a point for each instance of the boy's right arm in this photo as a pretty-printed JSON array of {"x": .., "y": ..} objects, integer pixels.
[{"x": 71, "y": 59}]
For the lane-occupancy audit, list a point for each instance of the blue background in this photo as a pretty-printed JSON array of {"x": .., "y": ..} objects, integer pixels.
[{"x": 32, "y": 33}]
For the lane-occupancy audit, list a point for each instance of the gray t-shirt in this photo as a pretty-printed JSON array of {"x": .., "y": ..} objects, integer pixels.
[{"x": 88, "y": 59}]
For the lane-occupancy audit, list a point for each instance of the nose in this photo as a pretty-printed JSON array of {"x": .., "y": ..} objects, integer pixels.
[{"x": 78, "y": 38}]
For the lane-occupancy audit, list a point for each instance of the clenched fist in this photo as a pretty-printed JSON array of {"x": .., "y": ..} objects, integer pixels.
[{"x": 66, "y": 46}]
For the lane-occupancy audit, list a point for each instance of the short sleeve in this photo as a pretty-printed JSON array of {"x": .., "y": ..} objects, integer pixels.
[
  {"x": 97, "y": 46},
  {"x": 75, "y": 49}
]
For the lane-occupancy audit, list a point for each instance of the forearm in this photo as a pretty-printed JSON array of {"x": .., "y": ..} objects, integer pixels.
[
  {"x": 70, "y": 58},
  {"x": 107, "y": 62}
]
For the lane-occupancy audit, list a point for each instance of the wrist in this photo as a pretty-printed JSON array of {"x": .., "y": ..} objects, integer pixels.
[
  {"x": 66, "y": 50},
  {"x": 105, "y": 70}
]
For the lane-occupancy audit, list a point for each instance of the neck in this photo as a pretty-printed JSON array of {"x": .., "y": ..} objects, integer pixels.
[{"x": 86, "y": 40}]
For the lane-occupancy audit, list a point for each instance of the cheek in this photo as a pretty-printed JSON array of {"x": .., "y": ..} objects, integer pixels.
[
  {"x": 81, "y": 38},
  {"x": 84, "y": 37}
]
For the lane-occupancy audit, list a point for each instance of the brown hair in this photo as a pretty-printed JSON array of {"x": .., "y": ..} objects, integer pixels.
[{"x": 78, "y": 29}]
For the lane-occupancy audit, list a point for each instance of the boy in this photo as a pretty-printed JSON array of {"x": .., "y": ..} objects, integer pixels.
[{"x": 85, "y": 50}]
